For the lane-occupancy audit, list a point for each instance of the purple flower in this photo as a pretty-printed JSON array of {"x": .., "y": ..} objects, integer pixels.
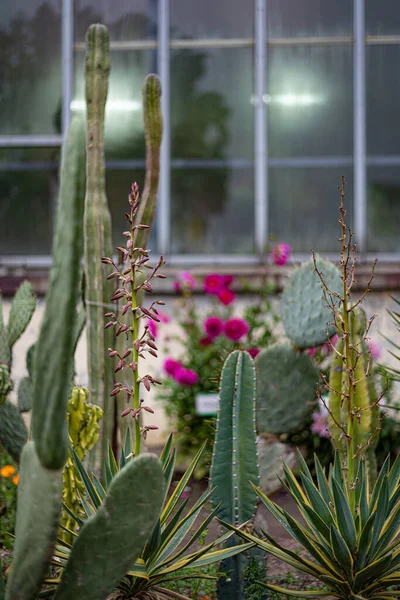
[
  {"x": 375, "y": 349},
  {"x": 184, "y": 282},
  {"x": 186, "y": 376},
  {"x": 281, "y": 253},
  {"x": 213, "y": 283},
  {"x": 213, "y": 326},
  {"x": 206, "y": 341},
  {"x": 235, "y": 328},
  {"x": 253, "y": 352},
  {"x": 226, "y": 296},
  {"x": 171, "y": 366},
  {"x": 320, "y": 424},
  {"x": 152, "y": 327}
]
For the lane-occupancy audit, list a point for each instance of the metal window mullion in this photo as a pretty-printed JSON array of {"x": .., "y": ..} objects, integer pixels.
[
  {"x": 260, "y": 138},
  {"x": 359, "y": 131},
  {"x": 67, "y": 57},
  {"x": 163, "y": 216}
]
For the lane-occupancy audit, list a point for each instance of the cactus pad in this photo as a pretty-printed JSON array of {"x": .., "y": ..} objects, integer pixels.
[
  {"x": 13, "y": 433},
  {"x": 5, "y": 383},
  {"x": 39, "y": 505},
  {"x": 286, "y": 382},
  {"x": 22, "y": 309},
  {"x": 304, "y": 311},
  {"x": 25, "y": 394},
  {"x": 124, "y": 521}
]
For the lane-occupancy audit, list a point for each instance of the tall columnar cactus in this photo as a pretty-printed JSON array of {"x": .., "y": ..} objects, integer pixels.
[
  {"x": 39, "y": 492},
  {"x": 83, "y": 420},
  {"x": 97, "y": 227},
  {"x": 365, "y": 395},
  {"x": 234, "y": 464}
]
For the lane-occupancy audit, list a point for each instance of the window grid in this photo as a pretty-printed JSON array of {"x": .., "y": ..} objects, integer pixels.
[{"x": 359, "y": 160}]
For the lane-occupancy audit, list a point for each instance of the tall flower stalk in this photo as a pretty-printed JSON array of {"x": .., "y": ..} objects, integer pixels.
[{"x": 134, "y": 275}]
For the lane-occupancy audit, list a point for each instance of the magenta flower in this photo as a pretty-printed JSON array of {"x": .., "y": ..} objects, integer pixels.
[
  {"x": 163, "y": 317},
  {"x": 213, "y": 283},
  {"x": 320, "y": 424},
  {"x": 281, "y": 253},
  {"x": 213, "y": 326},
  {"x": 152, "y": 327},
  {"x": 228, "y": 280},
  {"x": 186, "y": 376},
  {"x": 171, "y": 366},
  {"x": 253, "y": 352},
  {"x": 184, "y": 282},
  {"x": 226, "y": 296},
  {"x": 375, "y": 349},
  {"x": 206, "y": 341},
  {"x": 234, "y": 329},
  {"x": 311, "y": 351}
]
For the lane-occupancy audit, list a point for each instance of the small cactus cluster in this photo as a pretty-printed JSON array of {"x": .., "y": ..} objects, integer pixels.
[
  {"x": 13, "y": 432},
  {"x": 234, "y": 469},
  {"x": 83, "y": 420}
]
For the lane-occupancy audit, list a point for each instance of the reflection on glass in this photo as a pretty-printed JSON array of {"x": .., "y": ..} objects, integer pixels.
[
  {"x": 304, "y": 207},
  {"x": 118, "y": 186},
  {"x": 211, "y": 110},
  {"x": 126, "y": 20},
  {"x": 309, "y": 101},
  {"x": 124, "y": 137},
  {"x": 209, "y": 19},
  {"x": 30, "y": 67},
  {"x": 309, "y": 18},
  {"x": 383, "y": 97},
  {"x": 212, "y": 211},
  {"x": 28, "y": 192},
  {"x": 382, "y": 17},
  {"x": 383, "y": 209}
]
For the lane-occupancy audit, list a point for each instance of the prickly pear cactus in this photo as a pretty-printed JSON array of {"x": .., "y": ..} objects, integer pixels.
[
  {"x": 304, "y": 311},
  {"x": 22, "y": 309},
  {"x": 13, "y": 432},
  {"x": 5, "y": 383},
  {"x": 83, "y": 426},
  {"x": 286, "y": 383}
]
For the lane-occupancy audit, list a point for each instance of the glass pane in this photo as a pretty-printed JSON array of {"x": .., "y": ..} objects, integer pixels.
[
  {"x": 383, "y": 210},
  {"x": 118, "y": 184},
  {"x": 212, "y": 211},
  {"x": 30, "y": 67},
  {"x": 382, "y": 17},
  {"x": 383, "y": 97},
  {"x": 310, "y": 101},
  {"x": 126, "y": 20},
  {"x": 304, "y": 207},
  {"x": 28, "y": 192},
  {"x": 209, "y": 19},
  {"x": 211, "y": 110},
  {"x": 309, "y": 18},
  {"x": 124, "y": 137}
]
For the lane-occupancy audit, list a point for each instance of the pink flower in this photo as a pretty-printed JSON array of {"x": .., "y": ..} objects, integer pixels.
[
  {"x": 320, "y": 424},
  {"x": 311, "y": 351},
  {"x": 253, "y": 352},
  {"x": 206, "y": 341},
  {"x": 375, "y": 349},
  {"x": 152, "y": 327},
  {"x": 234, "y": 329},
  {"x": 226, "y": 296},
  {"x": 163, "y": 317},
  {"x": 186, "y": 376},
  {"x": 213, "y": 283},
  {"x": 213, "y": 326},
  {"x": 171, "y": 366},
  {"x": 281, "y": 253},
  {"x": 184, "y": 282}
]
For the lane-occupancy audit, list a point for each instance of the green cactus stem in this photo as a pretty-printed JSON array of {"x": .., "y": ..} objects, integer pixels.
[
  {"x": 22, "y": 308},
  {"x": 124, "y": 521},
  {"x": 53, "y": 359},
  {"x": 97, "y": 227},
  {"x": 13, "y": 431},
  {"x": 153, "y": 128}
]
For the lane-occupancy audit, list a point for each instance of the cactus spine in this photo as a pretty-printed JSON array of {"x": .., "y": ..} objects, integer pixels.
[
  {"x": 97, "y": 227},
  {"x": 83, "y": 427},
  {"x": 39, "y": 491},
  {"x": 234, "y": 462}
]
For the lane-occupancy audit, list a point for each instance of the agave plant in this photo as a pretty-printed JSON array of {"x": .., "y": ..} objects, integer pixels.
[
  {"x": 168, "y": 549},
  {"x": 356, "y": 556}
]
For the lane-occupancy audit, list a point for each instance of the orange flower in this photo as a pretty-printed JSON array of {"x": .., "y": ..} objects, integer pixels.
[
  {"x": 15, "y": 479},
  {"x": 7, "y": 471}
]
